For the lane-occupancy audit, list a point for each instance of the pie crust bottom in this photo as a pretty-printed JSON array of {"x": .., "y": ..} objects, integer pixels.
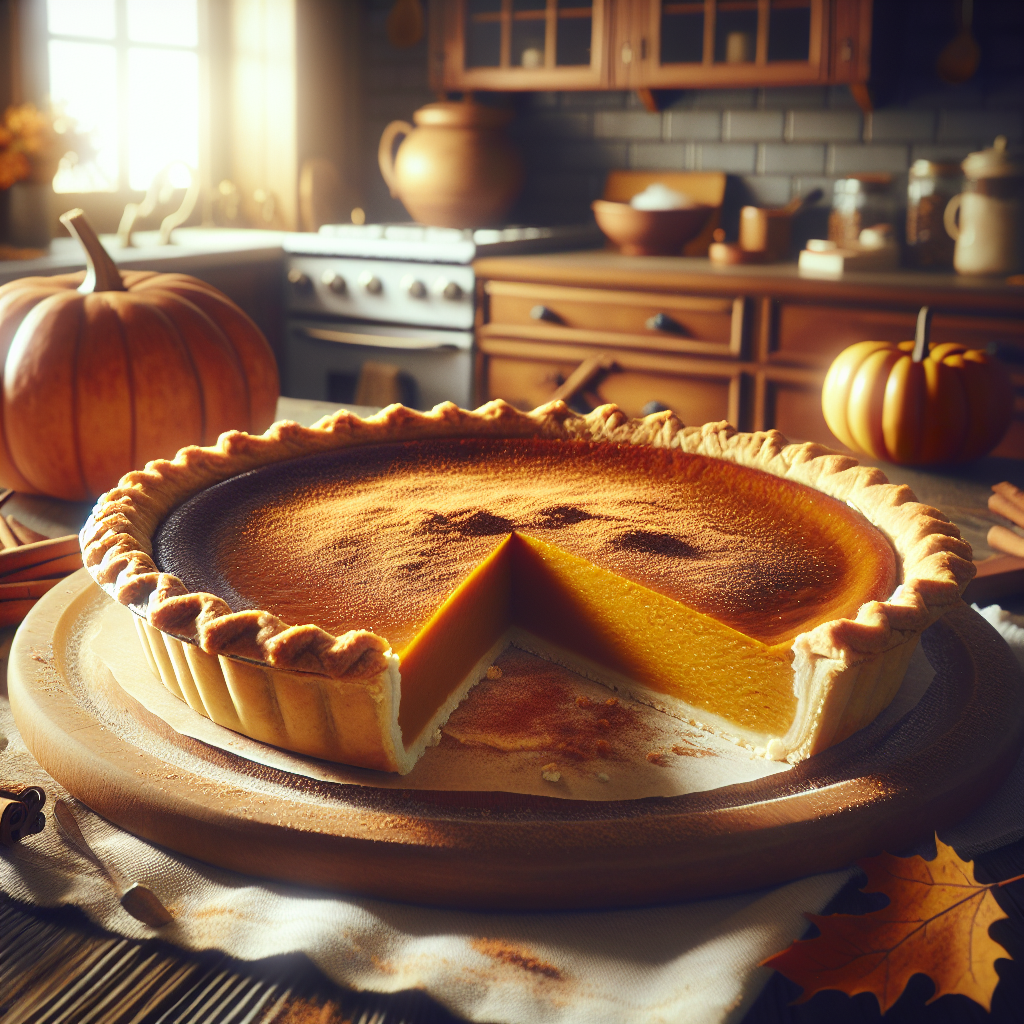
[{"x": 356, "y": 722}]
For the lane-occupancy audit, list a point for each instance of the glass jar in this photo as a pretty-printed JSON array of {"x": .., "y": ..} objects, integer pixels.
[
  {"x": 858, "y": 202},
  {"x": 929, "y": 188}
]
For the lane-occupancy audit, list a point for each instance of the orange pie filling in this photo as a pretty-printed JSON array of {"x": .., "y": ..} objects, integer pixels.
[{"x": 688, "y": 582}]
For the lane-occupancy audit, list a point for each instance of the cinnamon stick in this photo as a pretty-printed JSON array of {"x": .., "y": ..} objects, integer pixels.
[
  {"x": 33, "y": 554},
  {"x": 12, "y": 612},
  {"x": 7, "y": 537},
  {"x": 13, "y": 815},
  {"x": 1002, "y": 539},
  {"x": 29, "y": 589},
  {"x": 62, "y": 566},
  {"x": 1007, "y": 508},
  {"x": 1010, "y": 493},
  {"x": 23, "y": 533}
]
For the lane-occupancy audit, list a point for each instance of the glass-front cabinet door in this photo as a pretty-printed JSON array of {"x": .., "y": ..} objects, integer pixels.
[
  {"x": 704, "y": 43},
  {"x": 524, "y": 44}
]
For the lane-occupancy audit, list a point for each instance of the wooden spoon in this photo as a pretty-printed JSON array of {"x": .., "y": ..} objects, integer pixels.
[
  {"x": 405, "y": 24},
  {"x": 141, "y": 902},
  {"x": 959, "y": 58}
]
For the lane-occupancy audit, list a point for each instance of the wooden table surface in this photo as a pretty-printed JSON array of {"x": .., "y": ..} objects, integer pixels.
[{"x": 212, "y": 988}]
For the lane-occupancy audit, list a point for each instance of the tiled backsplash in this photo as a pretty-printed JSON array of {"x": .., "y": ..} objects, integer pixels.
[{"x": 774, "y": 143}]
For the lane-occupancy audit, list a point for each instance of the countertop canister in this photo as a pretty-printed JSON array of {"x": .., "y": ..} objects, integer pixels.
[
  {"x": 985, "y": 218},
  {"x": 456, "y": 168}
]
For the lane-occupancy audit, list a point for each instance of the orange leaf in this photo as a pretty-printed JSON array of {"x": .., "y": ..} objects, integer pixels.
[{"x": 936, "y": 923}]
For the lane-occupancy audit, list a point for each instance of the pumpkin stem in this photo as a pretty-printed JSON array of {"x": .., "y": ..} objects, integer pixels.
[
  {"x": 924, "y": 323},
  {"x": 101, "y": 274}
]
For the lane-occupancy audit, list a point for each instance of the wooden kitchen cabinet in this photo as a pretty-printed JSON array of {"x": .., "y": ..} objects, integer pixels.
[
  {"x": 522, "y": 45},
  {"x": 755, "y": 342},
  {"x": 702, "y": 45}
]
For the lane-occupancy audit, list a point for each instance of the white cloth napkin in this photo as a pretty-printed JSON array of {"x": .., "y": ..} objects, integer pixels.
[{"x": 686, "y": 962}]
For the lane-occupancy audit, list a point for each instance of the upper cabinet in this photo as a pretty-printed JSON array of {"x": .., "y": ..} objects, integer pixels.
[
  {"x": 649, "y": 44},
  {"x": 731, "y": 42},
  {"x": 520, "y": 44}
]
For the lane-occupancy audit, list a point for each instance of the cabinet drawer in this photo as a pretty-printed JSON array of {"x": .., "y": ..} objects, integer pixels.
[
  {"x": 668, "y": 323},
  {"x": 815, "y": 335},
  {"x": 790, "y": 400},
  {"x": 527, "y": 374}
]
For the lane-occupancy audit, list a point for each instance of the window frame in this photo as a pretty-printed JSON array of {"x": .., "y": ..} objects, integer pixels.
[{"x": 105, "y": 208}]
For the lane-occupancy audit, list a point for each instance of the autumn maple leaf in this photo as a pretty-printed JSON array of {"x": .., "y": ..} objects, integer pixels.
[{"x": 936, "y": 923}]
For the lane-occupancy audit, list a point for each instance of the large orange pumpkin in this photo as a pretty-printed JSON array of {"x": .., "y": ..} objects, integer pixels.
[
  {"x": 917, "y": 405},
  {"x": 103, "y": 371}
]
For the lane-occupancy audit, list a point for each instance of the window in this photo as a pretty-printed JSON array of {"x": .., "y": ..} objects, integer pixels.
[{"x": 128, "y": 73}]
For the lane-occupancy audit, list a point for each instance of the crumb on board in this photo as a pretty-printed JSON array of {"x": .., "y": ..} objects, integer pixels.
[
  {"x": 656, "y": 757},
  {"x": 494, "y": 672},
  {"x": 550, "y": 772},
  {"x": 603, "y": 777}
]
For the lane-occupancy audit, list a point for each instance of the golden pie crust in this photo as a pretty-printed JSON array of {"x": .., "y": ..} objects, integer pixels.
[{"x": 300, "y": 687}]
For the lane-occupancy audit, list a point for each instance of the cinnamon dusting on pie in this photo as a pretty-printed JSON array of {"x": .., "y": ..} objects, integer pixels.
[{"x": 376, "y": 538}]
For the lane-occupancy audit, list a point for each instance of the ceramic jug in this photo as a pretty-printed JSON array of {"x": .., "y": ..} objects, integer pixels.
[
  {"x": 456, "y": 168},
  {"x": 985, "y": 219}
]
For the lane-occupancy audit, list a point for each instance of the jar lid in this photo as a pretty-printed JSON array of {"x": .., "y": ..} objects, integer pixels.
[{"x": 991, "y": 163}]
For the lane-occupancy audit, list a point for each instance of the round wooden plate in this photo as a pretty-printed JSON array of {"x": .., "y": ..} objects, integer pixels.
[{"x": 880, "y": 789}]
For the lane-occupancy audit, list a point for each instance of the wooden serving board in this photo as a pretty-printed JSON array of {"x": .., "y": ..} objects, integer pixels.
[{"x": 883, "y": 788}]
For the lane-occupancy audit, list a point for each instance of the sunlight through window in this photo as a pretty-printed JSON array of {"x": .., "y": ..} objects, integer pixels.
[{"x": 135, "y": 94}]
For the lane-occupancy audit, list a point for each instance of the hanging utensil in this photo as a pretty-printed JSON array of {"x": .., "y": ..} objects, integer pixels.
[
  {"x": 405, "y": 24},
  {"x": 959, "y": 58}
]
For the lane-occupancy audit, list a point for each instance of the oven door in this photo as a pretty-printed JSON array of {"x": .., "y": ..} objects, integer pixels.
[{"x": 376, "y": 364}]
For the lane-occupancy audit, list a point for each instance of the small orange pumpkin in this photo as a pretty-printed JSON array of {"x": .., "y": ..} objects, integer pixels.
[
  {"x": 104, "y": 371},
  {"x": 915, "y": 405}
]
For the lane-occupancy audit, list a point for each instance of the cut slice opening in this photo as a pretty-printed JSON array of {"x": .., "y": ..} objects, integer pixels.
[{"x": 603, "y": 625}]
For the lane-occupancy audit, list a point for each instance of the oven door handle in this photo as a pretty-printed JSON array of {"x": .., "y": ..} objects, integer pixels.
[{"x": 377, "y": 340}]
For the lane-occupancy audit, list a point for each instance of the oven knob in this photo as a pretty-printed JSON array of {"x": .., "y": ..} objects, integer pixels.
[
  {"x": 299, "y": 281},
  {"x": 449, "y": 290},
  {"x": 415, "y": 288},
  {"x": 371, "y": 282},
  {"x": 333, "y": 280}
]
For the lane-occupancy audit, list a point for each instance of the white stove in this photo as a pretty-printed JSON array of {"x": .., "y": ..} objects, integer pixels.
[
  {"x": 422, "y": 244},
  {"x": 394, "y": 296}
]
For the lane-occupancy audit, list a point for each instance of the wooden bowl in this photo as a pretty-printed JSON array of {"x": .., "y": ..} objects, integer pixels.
[{"x": 649, "y": 232}]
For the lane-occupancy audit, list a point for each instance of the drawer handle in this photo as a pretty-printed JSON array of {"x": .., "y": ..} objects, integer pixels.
[
  {"x": 545, "y": 313},
  {"x": 663, "y": 322},
  {"x": 376, "y": 340},
  {"x": 583, "y": 376}
]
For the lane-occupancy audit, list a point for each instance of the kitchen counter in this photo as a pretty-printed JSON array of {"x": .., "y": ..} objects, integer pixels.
[
  {"x": 191, "y": 250},
  {"x": 608, "y": 269}
]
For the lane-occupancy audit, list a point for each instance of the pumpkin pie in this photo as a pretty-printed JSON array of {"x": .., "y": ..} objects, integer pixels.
[{"x": 337, "y": 590}]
